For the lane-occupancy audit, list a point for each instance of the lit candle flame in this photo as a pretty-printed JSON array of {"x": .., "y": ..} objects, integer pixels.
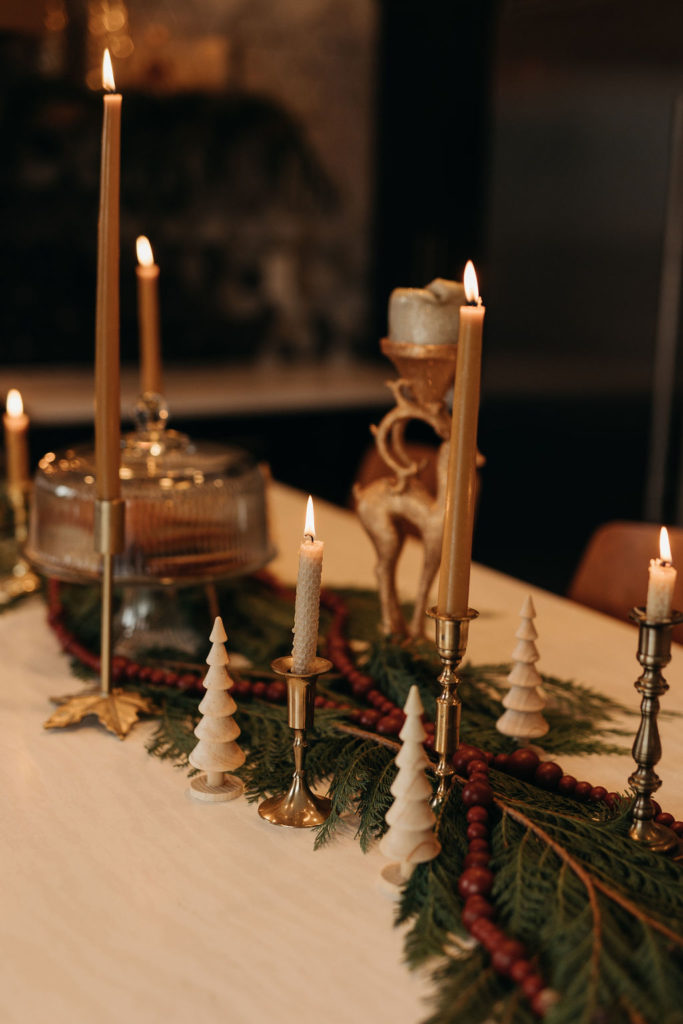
[
  {"x": 309, "y": 528},
  {"x": 144, "y": 252},
  {"x": 108, "y": 82},
  {"x": 471, "y": 285},
  {"x": 664, "y": 545},
  {"x": 14, "y": 405}
]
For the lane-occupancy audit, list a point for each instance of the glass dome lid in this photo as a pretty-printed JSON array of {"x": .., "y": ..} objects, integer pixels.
[{"x": 194, "y": 511}]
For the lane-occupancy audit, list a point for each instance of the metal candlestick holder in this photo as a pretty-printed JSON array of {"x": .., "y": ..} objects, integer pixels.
[
  {"x": 654, "y": 652},
  {"x": 298, "y": 807},
  {"x": 21, "y": 579},
  {"x": 109, "y": 541},
  {"x": 116, "y": 709},
  {"x": 451, "y": 644}
]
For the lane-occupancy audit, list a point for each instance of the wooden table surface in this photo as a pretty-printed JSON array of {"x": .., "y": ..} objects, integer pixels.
[{"x": 125, "y": 900}]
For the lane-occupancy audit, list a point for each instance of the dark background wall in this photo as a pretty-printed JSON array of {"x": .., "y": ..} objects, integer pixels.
[{"x": 531, "y": 137}]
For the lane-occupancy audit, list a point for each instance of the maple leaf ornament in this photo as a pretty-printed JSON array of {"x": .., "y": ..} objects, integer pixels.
[{"x": 117, "y": 711}]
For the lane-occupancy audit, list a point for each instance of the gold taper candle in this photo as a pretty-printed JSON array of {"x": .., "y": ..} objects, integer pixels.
[
  {"x": 307, "y": 605},
  {"x": 456, "y": 552},
  {"x": 107, "y": 383},
  {"x": 148, "y": 317},
  {"x": 15, "y": 422}
]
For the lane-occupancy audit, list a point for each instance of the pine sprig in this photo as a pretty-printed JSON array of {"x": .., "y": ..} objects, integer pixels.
[
  {"x": 581, "y": 721},
  {"x": 363, "y": 767}
]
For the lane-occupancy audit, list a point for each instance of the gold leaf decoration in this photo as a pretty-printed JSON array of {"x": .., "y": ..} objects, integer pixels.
[{"x": 117, "y": 711}]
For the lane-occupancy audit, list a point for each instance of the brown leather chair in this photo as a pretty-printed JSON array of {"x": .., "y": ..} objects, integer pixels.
[{"x": 613, "y": 572}]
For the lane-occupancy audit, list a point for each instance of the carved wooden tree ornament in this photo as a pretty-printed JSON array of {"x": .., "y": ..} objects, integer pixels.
[
  {"x": 410, "y": 839},
  {"x": 217, "y": 752},
  {"x": 525, "y": 699}
]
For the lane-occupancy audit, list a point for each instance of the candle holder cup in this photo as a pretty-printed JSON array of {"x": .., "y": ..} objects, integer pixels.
[
  {"x": 299, "y": 807},
  {"x": 654, "y": 652},
  {"x": 451, "y": 644}
]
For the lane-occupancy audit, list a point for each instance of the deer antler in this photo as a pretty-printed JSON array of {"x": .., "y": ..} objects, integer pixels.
[{"x": 390, "y": 433}]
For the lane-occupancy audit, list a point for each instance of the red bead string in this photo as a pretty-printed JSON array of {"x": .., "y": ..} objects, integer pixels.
[{"x": 509, "y": 957}]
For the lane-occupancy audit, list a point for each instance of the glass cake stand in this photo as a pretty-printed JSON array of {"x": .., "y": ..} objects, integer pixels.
[{"x": 194, "y": 512}]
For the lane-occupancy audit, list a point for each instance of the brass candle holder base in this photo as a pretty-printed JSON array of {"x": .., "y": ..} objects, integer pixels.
[
  {"x": 299, "y": 807},
  {"x": 451, "y": 644},
  {"x": 654, "y": 652},
  {"x": 116, "y": 709}
]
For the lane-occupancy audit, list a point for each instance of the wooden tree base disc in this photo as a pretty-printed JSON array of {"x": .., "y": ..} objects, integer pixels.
[
  {"x": 232, "y": 787},
  {"x": 392, "y": 874}
]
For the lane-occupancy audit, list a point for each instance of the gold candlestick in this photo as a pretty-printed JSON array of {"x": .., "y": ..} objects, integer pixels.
[
  {"x": 298, "y": 807},
  {"x": 654, "y": 652},
  {"x": 451, "y": 644},
  {"x": 21, "y": 579},
  {"x": 115, "y": 708},
  {"x": 109, "y": 541}
]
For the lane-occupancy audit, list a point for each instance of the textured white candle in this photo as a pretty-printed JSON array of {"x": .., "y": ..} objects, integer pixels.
[
  {"x": 660, "y": 590},
  {"x": 307, "y": 605}
]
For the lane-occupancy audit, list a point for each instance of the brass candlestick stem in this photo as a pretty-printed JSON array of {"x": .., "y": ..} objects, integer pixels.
[
  {"x": 116, "y": 709},
  {"x": 654, "y": 652},
  {"x": 109, "y": 541},
  {"x": 451, "y": 644},
  {"x": 298, "y": 807}
]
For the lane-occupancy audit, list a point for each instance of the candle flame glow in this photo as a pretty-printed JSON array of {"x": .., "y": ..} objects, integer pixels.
[
  {"x": 470, "y": 283},
  {"x": 144, "y": 252},
  {"x": 309, "y": 528},
  {"x": 108, "y": 82},
  {"x": 664, "y": 545},
  {"x": 14, "y": 406}
]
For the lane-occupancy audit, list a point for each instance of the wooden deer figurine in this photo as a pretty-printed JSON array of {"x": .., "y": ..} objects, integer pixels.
[{"x": 387, "y": 505}]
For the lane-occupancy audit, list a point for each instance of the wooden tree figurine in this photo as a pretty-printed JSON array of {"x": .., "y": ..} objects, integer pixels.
[
  {"x": 217, "y": 752},
  {"x": 525, "y": 699},
  {"x": 410, "y": 838}
]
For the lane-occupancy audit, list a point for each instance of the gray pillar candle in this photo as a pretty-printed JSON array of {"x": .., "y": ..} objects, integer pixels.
[{"x": 426, "y": 316}]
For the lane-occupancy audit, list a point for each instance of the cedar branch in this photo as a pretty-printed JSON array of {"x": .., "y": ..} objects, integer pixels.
[{"x": 588, "y": 880}]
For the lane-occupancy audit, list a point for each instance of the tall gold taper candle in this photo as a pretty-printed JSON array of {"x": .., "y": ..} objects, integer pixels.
[
  {"x": 15, "y": 422},
  {"x": 107, "y": 385},
  {"x": 147, "y": 273},
  {"x": 456, "y": 552}
]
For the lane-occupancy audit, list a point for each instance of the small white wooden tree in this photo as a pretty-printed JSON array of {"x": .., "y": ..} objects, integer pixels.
[
  {"x": 217, "y": 752},
  {"x": 410, "y": 838},
  {"x": 525, "y": 699}
]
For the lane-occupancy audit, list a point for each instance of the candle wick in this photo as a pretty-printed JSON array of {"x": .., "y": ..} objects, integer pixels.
[{"x": 309, "y": 537}]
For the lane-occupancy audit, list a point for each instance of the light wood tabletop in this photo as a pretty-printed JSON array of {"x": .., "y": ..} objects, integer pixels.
[{"x": 125, "y": 900}]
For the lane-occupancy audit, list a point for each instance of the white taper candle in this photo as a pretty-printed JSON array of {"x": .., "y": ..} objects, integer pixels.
[
  {"x": 662, "y": 580},
  {"x": 307, "y": 605}
]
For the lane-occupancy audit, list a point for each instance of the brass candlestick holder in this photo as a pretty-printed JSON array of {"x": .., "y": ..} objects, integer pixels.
[
  {"x": 109, "y": 541},
  {"x": 115, "y": 708},
  {"x": 298, "y": 807},
  {"x": 451, "y": 644},
  {"x": 654, "y": 652},
  {"x": 21, "y": 579}
]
